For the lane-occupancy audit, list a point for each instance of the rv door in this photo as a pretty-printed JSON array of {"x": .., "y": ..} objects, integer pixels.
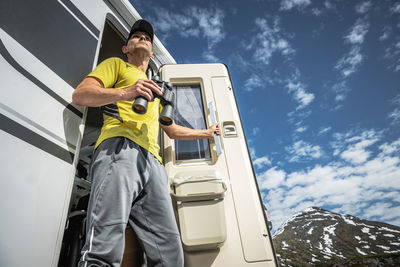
[{"x": 213, "y": 186}]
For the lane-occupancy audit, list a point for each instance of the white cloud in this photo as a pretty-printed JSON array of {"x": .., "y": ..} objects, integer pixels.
[
  {"x": 328, "y": 5},
  {"x": 255, "y": 130},
  {"x": 356, "y": 152},
  {"x": 396, "y": 100},
  {"x": 392, "y": 54},
  {"x": 261, "y": 162},
  {"x": 210, "y": 57},
  {"x": 355, "y": 156},
  {"x": 349, "y": 63},
  {"x": 309, "y": 177},
  {"x": 380, "y": 209},
  {"x": 388, "y": 149},
  {"x": 183, "y": 24},
  {"x": 324, "y": 130},
  {"x": 363, "y": 7},
  {"x": 386, "y": 31},
  {"x": 299, "y": 115},
  {"x": 395, "y": 116},
  {"x": 271, "y": 178},
  {"x": 300, "y": 94},
  {"x": 301, "y": 129},
  {"x": 395, "y": 8},
  {"x": 193, "y": 22},
  {"x": 316, "y": 11},
  {"x": 358, "y": 32},
  {"x": 390, "y": 213},
  {"x": 320, "y": 8},
  {"x": 341, "y": 90},
  {"x": 289, "y": 4},
  {"x": 352, "y": 147},
  {"x": 303, "y": 97},
  {"x": 252, "y": 152},
  {"x": 283, "y": 46},
  {"x": 210, "y": 23},
  {"x": 253, "y": 82},
  {"x": 302, "y": 150},
  {"x": 268, "y": 40}
]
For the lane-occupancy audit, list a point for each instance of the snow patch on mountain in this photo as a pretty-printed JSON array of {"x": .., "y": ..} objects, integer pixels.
[
  {"x": 390, "y": 230},
  {"x": 360, "y": 251},
  {"x": 365, "y": 230}
]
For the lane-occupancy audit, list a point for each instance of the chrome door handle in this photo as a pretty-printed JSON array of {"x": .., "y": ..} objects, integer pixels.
[{"x": 230, "y": 131}]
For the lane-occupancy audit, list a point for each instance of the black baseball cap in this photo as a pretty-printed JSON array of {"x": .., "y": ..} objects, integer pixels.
[{"x": 142, "y": 25}]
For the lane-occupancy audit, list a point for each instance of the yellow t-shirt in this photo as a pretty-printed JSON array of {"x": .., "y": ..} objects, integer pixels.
[{"x": 119, "y": 118}]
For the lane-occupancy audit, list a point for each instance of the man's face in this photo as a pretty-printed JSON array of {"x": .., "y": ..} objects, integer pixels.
[{"x": 141, "y": 41}]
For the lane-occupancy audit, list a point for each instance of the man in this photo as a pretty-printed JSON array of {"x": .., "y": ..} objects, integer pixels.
[{"x": 129, "y": 184}]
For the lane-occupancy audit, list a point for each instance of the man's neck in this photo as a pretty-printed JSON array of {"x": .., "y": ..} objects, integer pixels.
[{"x": 140, "y": 60}]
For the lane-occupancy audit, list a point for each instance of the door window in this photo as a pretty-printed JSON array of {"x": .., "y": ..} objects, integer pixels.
[{"x": 189, "y": 112}]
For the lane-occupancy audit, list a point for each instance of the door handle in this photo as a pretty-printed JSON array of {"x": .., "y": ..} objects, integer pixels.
[{"x": 230, "y": 130}]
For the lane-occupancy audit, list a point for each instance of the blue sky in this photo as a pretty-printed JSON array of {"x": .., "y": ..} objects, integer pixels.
[{"x": 318, "y": 89}]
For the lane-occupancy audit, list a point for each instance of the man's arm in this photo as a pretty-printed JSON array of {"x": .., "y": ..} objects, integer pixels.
[
  {"x": 91, "y": 92},
  {"x": 175, "y": 131}
]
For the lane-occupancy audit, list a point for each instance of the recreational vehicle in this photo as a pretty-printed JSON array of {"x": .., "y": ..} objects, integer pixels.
[{"x": 46, "y": 48}]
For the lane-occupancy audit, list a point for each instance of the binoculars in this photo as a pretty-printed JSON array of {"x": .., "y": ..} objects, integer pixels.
[{"x": 166, "y": 117}]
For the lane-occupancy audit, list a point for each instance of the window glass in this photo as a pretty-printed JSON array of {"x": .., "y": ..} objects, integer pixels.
[{"x": 189, "y": 112}]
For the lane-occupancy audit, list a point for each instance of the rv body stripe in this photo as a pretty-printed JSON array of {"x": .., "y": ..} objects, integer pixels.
[
  {"x": 7, "y": 56},
  {"x": 34, "y": 124},
  {"x": 53, "y": 35},
  {"x": 25, "y": 134},
  {"x": 118, "y": 14},
  {"x": 77, "y": 14}
]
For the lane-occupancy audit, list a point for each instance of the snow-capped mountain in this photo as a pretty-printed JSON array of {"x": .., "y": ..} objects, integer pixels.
[{"x": 317, "y": 236}]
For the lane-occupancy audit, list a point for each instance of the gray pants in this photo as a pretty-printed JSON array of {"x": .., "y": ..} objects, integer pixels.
[{"x": 129, "y": 185}]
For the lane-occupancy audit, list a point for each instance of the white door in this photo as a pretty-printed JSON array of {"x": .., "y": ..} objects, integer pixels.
[{"x": 199, "y": 89}]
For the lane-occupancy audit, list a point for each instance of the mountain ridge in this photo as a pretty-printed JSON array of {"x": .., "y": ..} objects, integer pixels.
[{"x": 317, "y": 236}]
